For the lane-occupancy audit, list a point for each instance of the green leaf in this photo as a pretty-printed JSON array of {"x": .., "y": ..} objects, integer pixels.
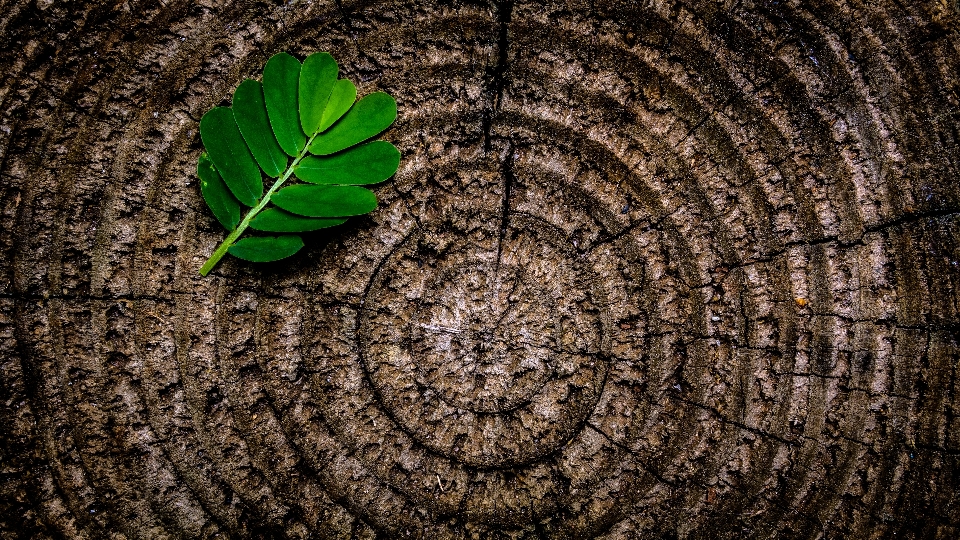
[
  {"x": 216, "y": 194},
  {"x": 266, "y": 248},
  {"x": 276, "y": 220},
  {"x": 325, "y": 201},
  {"x": 270, "y": 122},
  {"x": 341, "y": 99},
  {"x": 251, "y": 115},
  {"x": 366, "y": 164},
  {"x": 371, "y": 115},
  {"x": 228, "y": 151},
  {"x": 281, "y": 79},
  {"x": 317, "y": 79}
]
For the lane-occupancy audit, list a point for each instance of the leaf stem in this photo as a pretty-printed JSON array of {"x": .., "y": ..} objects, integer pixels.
[{"x": 232, "y": 237}]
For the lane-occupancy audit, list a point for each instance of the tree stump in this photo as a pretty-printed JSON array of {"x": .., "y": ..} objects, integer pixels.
[{"x": 648, "y": 270}]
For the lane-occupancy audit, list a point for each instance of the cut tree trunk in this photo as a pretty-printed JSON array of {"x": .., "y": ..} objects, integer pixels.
[{"x": 648, "y": 269}]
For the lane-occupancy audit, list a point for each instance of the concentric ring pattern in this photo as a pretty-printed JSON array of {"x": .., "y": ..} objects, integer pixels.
[{"x": 648, "y": 270}]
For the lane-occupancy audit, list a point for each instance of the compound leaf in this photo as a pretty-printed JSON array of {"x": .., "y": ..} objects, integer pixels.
[
  {"x": 365, "y": 164},
  {"x": 281, "y": 80},
  {"x": 228, "y": 151},
  {"x": 277, "y": 220},
  {"x": 251, "y": 114},
  {"x": 270, "y": 122},
  {"x": 341, "y": 99},
  {"x": 266, "y": 248},
  {"x": 217, "y": 195},
  {"x": 325, "y": 201},
  {"x": 371, "y": 115},
  {"x": 318, "y": 76}
]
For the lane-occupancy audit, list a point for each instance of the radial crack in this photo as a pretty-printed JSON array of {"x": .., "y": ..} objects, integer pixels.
[
  {"x": 498, "y": 73},
  {"x": 508, "y": 179}
]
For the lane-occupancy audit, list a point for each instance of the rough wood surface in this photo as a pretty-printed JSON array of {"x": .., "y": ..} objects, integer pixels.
[{"x": 649, "y": 269}]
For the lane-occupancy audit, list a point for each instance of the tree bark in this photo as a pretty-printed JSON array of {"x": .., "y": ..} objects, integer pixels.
[{"x": 648, "y": 270}]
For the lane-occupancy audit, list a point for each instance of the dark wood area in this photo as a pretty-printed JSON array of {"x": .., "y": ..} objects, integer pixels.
[{"x": 649, "y": 269}]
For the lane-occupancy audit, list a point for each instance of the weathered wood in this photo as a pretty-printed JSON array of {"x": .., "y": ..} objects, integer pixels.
[{"x": 648, "y": 270}]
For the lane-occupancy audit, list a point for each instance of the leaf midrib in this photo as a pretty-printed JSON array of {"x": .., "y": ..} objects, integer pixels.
[{"x": 245, "y": 222}]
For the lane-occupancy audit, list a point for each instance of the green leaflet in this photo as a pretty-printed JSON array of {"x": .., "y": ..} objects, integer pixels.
[
  {"x": 266, "y": 248},
  {"x": 216, "y": 194},
  {"x": 325, "y": 201},
  {"x": 341, "y": 99},
  {"x": 251, "y": 115},
  {"x": 281, "y": 80},
  {"x": 368, "y": 117},
  {"x": 317, "y": 79},
  {"x": 229, "y": 153},
  {"x": 297, "y": 110},
  {"x": 277, "y": 220},
  {"x": 380, "y": 160}
]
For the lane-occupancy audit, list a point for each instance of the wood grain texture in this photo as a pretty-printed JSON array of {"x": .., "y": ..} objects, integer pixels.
[{"x": 647, "y": 270}]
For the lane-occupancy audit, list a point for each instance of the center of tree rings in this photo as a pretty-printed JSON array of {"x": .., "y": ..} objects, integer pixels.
[
  {"x": 493, "y": 346},
  {"x": 465, "y": 346}
]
